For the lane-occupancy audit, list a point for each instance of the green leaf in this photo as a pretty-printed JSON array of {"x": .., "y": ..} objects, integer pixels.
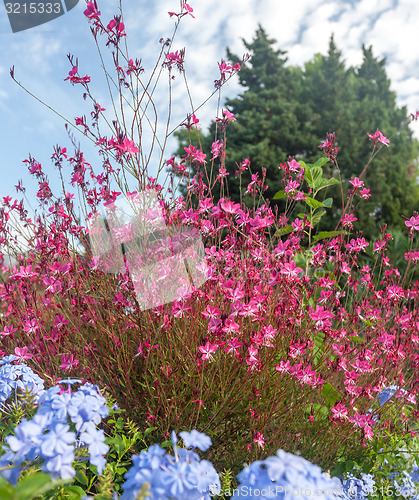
[
  {"x": 279, "y": 195},
  {"x": 319, "y": 340},
  {"x": 338, "y": 469},
  {"x": 321, "y": 161},
  {"x": 320, "y": 409},
  {"x": 328, "y": 202},
  {"x": 82, "y": 478},
  {"x": 324, "y": 183},
  {"x": 317, "y": 216},
  {"x": 349, "y": 465},
  {"x": 308, "y": 177},
  {"x": 317, "y": 174},
  {"x": 357, "y": 339},
  {"x": 330, "y": 394},
  {"x": 311, "y": 202},
  {"x": 149, "y": 430},
  {"x": 34, "y": 485},
  {"x": 166, "y": 444},
  {"x": 318, "y": 347},
  {"x": 74, "y": 492},
  {"x": 284, "y": 231},
  {"x": 326, "y": 234}
]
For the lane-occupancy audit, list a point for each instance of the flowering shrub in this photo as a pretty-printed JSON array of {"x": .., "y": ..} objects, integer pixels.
[
  {"x": 48, "y": 439},
  {"x": 287, "y": 343},
  {"x": 64, "y": 419}
]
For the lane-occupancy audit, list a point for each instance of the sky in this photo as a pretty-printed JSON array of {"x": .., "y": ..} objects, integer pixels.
[{"x": 302, "y": 28}]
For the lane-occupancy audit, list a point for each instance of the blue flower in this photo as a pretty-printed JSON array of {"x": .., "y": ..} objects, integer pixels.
[
  {"x": 280, "y": 475},
  {"x": 60, "y": 466},
  {"x": 25, "y": 442},
  {"x": 205, "y": 478},
  {"x": 196, "y": 439},
  {"x": 87, "y": 405},
  {"x": 8, "y": 359},
  {"x": 70, "y": 381},
  {"x": 23, "y": 446},
  {"x": 94, "y": 439},
  {"x": 176, "y": 481},
  {"x": 386, "y": 394},
  {"x": 358, "y": 488},
  {"x": 58, "y": 441},
  {"x": 13, "y": 377}
]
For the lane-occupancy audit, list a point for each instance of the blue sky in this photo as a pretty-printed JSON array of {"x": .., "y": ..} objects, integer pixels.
[{"x": 302, "y": 27}]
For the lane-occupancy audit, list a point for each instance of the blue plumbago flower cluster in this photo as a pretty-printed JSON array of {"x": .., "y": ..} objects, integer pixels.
[
  {"x": 286, "y": 475},
  {"x": 404, "y": 486},
  {"x": 181, "y": 476},
  {"x": 358, "y": 488},
  {"x": 64, "y": 419},
  {"x": 17, "y": 377}
]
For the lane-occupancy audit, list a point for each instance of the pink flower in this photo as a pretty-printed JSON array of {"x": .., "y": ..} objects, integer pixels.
[
  {"x": 283, "y": 367},
  {"x": 116, "y": 23},
  {"x": 68, "y": 362},
  {"x": 91, "y": 12},
  {"x": 356, "y": 183},
  {"x": 348, "y": 220},
  {"x": 8, "y": 331},
  {"x": 368, "y": 433},
  {"x": 31, "y": 326},
  {"x": 306, "y": 375},
  {"x": 294, "y": 166},
  {"x": 25, "y": 272},
  {"x": 395, "y": 292},
  {"x": 52, "y": 285},
  {"x": 233, "y": 345},
  {"x": 339, "y": 411},
  {"x": 291, "y": 186},
  {"x": 378, "y": 137},
  {"x": 365, "y": 193},
  {"x": 259, "y": 440},
  {"x": 174, "y": 58},
  {"x": 229, "y": 206},
  {"x": 22, "y": 354},
  {"x": 72, "y": 76},
  {"x": 357, "y": 245},
  {"x": 216, "y": 149},
  {"x": 413, "y": 223},
  {"x": 128, "y": 146},
  {"x": 207, "y": 350},
  {"x": 211, "y": 312},
  {"x": 321, "y": 316},
  {"x": 290, "y": 269},
  {"x": 188, "y": 9},
  {"x": 228, "y": 115}
]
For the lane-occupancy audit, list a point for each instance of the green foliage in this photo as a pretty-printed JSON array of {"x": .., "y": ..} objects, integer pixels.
[{"x": 287, "y": 111}]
